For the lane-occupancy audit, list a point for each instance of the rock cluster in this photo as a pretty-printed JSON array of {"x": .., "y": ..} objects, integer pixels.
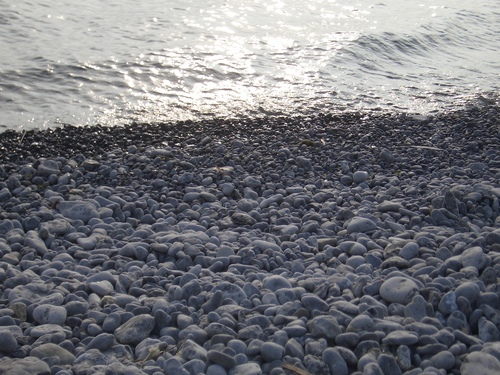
[{"x": 336, "y": 244}]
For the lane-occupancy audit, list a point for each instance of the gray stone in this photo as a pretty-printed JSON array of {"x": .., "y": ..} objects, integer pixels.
[
  {"x": 84, "y": 364},
  {"x": 474, "y": 257},
  {"x": 325, "y": 326},
  {"x": 250, "y": 368},
  {"x": 398, "y": 290},
  {"x": 242, "y": 218},
  {"x": 32, "y": 239},
  {"x": 353, "y": 248},
  {"x": 101, "y": 342},
  {"x": 102, "y": 288},
  {"x": 487, "y": 331},
  {"x": 361, "y": 323},
  {"x": 53, "y": 350},
  {"x": 448, "y": 303},
  {"x": 48, "y": 167},
  {"x": 416, "y": 309},
  {"x": 312, "y": 302},
  {"x": 335, "y": 362},
  {"x": 24, "y": 366},
  {"x": 388, "y": 365},
  {"x": 9, "y": 342},
  {"x": 275, "y": 282},
  {"x": 50, "y": 329},
  {"x": 478, "y": 363},
  {"x": 304, "y": 163},
  {"x": 469, "y": 290},
  {"x": 389, "y": 206},
  {"x": 135, "y": 329},
  {"x": 359, "y": 177},
  {"x": 221, "y": 359},
  {"x": 231, "y": 291},
  {"x": 443, "y": 360},
  {"x": 404, "y": 357},
  {"x": 409, "y": 250},
  {"x": 400, "y": 338},
  {"x": 49, "y": 314},
  {"x": 360, "y": 225},
  {"x": 271, "y": 351},
  {"x": 190, "y": 350},
  {"x": 251, "y": 182},
  {"x": 386, "y": 156},
  {"x": 78, "y": 210}
]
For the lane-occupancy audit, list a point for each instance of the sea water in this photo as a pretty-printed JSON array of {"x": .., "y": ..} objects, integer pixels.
[{"x": 120, "y": 61}]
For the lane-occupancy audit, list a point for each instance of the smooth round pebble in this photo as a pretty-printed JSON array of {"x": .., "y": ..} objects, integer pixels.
[{"x": 398, "y": 290}]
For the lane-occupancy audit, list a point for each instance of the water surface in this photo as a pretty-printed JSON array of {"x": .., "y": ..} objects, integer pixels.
[{"x": 114, "y": 62}]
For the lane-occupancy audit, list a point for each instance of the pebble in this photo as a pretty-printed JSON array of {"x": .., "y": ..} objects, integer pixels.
[
  {"x": 9, "y": 342},
  {"x": 324, "y": 326},
  {"x": 398, "y": 290},
  {"x": 49, "y": 314},
  {"x": 361, "y": 224},
  {"x": 478, "y": 363},
  {"x": 271, "y": 351},
  {"x": 24, "y": 366},
  {"x": 53, "y": 350},
  {"x": 400, "y": 338},
  {"x": 135, "y": 329}
]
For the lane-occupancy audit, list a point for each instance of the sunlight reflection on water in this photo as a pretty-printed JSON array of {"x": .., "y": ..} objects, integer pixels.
[{"x": 122, "y": 61}]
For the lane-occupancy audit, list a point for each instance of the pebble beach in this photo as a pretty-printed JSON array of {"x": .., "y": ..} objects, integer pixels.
[{"x": 350, "y": 243}]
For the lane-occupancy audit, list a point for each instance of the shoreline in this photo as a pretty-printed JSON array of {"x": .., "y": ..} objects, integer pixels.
[{"x": 356, "y": 243}]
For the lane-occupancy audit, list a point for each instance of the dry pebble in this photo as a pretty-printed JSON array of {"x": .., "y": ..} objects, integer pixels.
[{"x": 333, "y": 244}]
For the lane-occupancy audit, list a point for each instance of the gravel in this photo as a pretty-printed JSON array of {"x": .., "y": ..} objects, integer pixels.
[{"x": 352, "y": 243}]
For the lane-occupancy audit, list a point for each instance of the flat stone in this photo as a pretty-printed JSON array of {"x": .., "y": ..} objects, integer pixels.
[
  {"x": 400, "y": 338},
  {"x": 398, "y": 290}
]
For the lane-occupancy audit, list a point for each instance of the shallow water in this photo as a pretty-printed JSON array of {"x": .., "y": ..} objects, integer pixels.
[{"x": 120, "y": 61}]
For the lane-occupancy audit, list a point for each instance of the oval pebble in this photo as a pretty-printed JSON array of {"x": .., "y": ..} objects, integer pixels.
[{"x": 398, "y": 290}]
